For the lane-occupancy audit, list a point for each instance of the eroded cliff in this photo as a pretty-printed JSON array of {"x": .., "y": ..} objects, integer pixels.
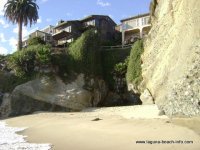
[{"x": 171, "y": 59}]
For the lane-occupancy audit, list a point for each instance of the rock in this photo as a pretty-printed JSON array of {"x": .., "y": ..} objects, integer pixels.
[
  {"x": 146, "y": 98},
  {"x": 96, "y": 119},
  {"x": 1, "y": 98},
  {"x": 47, "y": 94},
  {"x": 171, "y": 58},
  {"x": 161, "y": 113},
  {"x": 114, "y": 99},
  {"x": 99, "y": 91},
  {"x": 5, "y": 107}
]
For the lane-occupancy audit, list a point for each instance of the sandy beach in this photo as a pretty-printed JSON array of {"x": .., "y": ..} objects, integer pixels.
[{"x": 117, "y": 128}]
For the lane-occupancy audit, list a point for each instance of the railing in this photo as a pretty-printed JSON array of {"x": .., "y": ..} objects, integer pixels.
[
  {"x": 115, "y": 47},
  {"x": 135, "y": 23}
]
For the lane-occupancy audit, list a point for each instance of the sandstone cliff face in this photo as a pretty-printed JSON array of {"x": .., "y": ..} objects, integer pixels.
[{"x": 171, "y": 59}]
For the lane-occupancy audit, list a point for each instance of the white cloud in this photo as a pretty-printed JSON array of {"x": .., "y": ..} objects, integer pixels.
[
  {"x": 48, "y": 20},
  {"x": 39, "y": 20},
  {"x": 13, "y": 44},
  {"x": 2, "y": 38},
  {"x": 3, "y": 23},
  {"x": 3, "y": 51},
  {"x": 44, "y": 1},
  {"x": 25, "y": 32},
  {"x": 2, "y": 3},
  {"x": 102, "y": 3}
]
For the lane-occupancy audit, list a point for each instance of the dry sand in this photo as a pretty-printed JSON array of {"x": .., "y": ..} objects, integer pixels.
[{"x": 119, "y": 129}]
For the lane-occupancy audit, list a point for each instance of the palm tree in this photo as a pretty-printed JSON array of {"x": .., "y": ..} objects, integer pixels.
[{"x": 21, "y": 12}]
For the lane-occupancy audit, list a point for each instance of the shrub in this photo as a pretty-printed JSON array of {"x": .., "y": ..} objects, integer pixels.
[
  {"x": 35, "y": 41},
  {"x": 134, "y": 71},
  {"x": 23, "y": 62},
  {"x": 109, "y": 59},
  {"x": 84, "y": 54},
  {"x": 120, "y": 69},
  {"x": 10, "y": 81}
]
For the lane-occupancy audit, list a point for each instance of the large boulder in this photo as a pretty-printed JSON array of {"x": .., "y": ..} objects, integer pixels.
[
  {"x": 5, "y": 106},
  {"x": 50, "y": 94},
  {"x": 171, "y": 57}
]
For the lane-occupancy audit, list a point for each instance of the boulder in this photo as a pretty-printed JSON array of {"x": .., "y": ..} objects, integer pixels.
[
  {"x": 50, "y": 94},
  {"x": 146, "y": 98},
  {"x": 5, "y": 108}
]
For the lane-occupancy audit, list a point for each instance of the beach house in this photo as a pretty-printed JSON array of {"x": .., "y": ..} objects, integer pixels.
[
  {"x": 45, "y": 34},
  {"x": 68, "y": 31},
  {"x": 134, "y": 28}
]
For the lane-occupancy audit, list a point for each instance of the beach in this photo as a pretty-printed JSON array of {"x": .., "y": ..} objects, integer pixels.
[{"x": 119, "y": 128}]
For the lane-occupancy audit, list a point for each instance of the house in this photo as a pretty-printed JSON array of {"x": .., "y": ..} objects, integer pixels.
[
  {"x": 45, "y": 34},
  {"x": 104, "y": 24},
  {"x": 68, "y": 31},
  {"x": 134, "y": 27}
]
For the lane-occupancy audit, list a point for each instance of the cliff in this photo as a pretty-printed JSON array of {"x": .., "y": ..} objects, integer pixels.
[{"x": 171, "y": 58}]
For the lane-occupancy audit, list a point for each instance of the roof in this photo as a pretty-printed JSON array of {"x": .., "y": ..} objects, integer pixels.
[
  {"x": 134, "y": 17},
  {"x": 66, "y": 22},
  {"x": 93, "y": 16}
]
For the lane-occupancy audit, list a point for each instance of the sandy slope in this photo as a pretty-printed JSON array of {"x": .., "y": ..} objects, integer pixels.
[{"x": 118, "y": 129}]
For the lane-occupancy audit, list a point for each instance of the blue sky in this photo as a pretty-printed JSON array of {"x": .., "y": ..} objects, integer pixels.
[{"x": 51, "y": 11}]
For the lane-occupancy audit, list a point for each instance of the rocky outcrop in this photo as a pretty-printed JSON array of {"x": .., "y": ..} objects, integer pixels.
[
  {"x": 171, "y": 59},
  {"x": 5, "y": 106},
  {"x": 52, "y": 94},
  {"x": 146, "y": 98},
  {"x": 115, "y": 99}
]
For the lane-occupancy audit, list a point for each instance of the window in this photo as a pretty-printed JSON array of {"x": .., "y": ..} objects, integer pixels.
[
  {"x": 68, "y": 29},
  {"x": 91, "y": 22},
  {"x": 48, "y": 38}
]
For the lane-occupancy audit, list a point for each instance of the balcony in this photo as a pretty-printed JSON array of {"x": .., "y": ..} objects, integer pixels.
[{"x": 135, "y": 23}]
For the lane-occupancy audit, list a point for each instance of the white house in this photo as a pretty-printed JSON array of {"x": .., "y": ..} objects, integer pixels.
[{"x": 134, "y": 27}]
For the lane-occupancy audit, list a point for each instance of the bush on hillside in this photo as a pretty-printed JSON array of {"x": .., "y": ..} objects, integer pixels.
[
  {"x": 120, "y": 69},
  {"x": 84, "y": 54},
  {"x": 35, "y": 41},
  {"x": 134, "y": 71},
  {"x": 23, "y": 62},
  {"x": 10, "y": 81},
  {"x": 109, "y": 59}
]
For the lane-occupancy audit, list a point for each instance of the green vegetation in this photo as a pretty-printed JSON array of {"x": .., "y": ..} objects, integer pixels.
[
  {"x": 35, "y": 41},
  {"x": 23, "y": 62},
  {"x": 120, "y": 69},
  {"x": 9, "y": 82},
  {"x": 134, "y": 71},
  {"x": 109, "y": 59},
  {"x": 84, "y": 54},
  {"x": 21, "y": 12}
]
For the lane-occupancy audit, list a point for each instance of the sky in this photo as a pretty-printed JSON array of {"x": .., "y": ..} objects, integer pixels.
[{"x": 51, "y": 11}]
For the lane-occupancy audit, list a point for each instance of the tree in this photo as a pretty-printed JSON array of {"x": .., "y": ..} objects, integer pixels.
[{"x": 21, "y": 12}]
